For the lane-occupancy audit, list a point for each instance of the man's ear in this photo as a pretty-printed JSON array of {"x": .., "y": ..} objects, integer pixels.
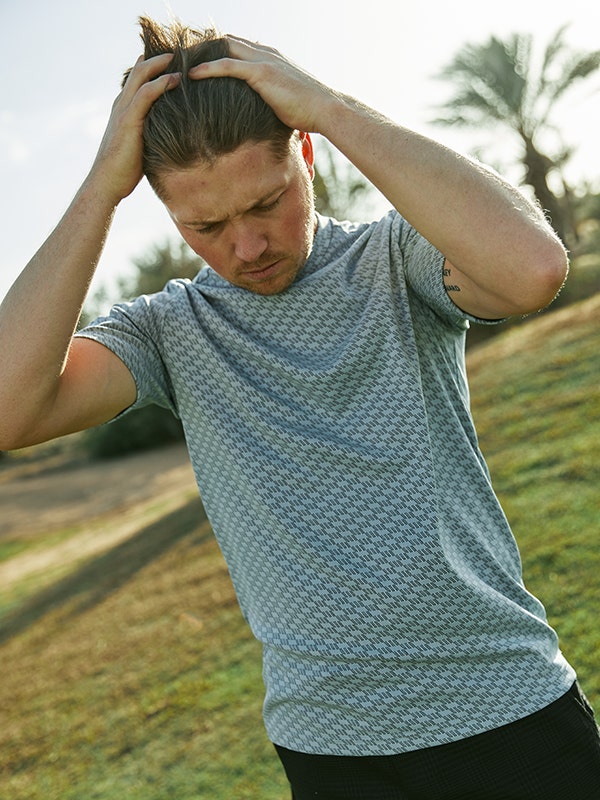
[{"x": 308, "y": 153}]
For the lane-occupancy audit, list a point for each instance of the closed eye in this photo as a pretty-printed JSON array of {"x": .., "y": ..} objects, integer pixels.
[
  {"x": 269, "y": 206},
  {"x": 213, "y": 227}
]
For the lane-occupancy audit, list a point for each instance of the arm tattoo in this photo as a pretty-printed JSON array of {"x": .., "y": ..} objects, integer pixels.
[{"x": 450, "y": 287}]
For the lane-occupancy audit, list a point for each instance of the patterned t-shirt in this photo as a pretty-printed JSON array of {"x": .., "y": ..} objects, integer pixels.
[{"x": 330, "y": 432}]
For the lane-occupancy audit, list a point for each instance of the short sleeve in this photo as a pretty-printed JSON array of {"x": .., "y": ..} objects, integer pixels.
[
  {"x": 133, "y": 331},
  {"x": 424, "y": 269}
]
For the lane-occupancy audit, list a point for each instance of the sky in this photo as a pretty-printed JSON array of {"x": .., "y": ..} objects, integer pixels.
[{"x": 64, "y": 61}]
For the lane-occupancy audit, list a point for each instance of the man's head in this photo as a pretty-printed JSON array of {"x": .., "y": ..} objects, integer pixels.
[
  {"x": 250, "y": 215},
  {"x": 236, "y": 181},
  {"x": 201, "y": 120}
]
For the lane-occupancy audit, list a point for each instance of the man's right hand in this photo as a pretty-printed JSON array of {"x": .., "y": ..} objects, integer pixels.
[{"x": 117, "y": 169}]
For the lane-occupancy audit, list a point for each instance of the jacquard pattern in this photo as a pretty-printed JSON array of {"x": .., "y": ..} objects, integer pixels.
[{"x": 330, "y": 432}]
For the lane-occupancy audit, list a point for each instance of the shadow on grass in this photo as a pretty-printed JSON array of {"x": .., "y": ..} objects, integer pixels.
[{"x": 97, "y": 579}]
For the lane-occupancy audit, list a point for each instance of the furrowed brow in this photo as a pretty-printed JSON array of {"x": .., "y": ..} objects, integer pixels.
[{"x": 270, "y": 195}]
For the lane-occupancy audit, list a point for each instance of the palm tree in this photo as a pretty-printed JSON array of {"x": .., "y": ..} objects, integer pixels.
[
  {"x": 340, "y": 190},
  {"x": 501, "y": 82}
]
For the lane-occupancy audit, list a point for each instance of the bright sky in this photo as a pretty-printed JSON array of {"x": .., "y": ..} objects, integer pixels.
[{"x": 64, "y": 60}]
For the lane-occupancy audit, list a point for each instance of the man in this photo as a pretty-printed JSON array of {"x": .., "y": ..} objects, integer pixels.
[{"x": 318, "y": 369}]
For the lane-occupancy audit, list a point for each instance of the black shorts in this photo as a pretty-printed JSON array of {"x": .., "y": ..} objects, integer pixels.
[{"x": 553, "y": 754}]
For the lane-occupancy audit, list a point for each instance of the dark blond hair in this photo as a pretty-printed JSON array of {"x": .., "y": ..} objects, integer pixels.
[{"x": 201, "y": 119}]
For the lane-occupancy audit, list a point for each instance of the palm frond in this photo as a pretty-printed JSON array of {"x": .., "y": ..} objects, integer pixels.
[
  {"x": 554, "y": 48},
  {"x": 490, "y": 76},
  {"x": 578, "y": 67},
  {"x": 473, "y": 105}
]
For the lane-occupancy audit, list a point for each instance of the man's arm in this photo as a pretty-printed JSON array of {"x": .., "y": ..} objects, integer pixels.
[
  {"x": 502, "y": 257},
  {"x": 51, "y": 384}
]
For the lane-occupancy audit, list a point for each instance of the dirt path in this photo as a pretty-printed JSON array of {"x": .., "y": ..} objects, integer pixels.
[
  {"x": 54, "y": 493},
  {"x": 51, "y": 495}
]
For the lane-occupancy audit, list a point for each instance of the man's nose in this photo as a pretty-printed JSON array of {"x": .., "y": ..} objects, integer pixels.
[{"x": 250, "y": 242}]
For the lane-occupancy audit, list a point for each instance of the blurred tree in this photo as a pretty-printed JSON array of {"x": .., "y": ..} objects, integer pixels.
[
  {"x": 341, "y": 191},
  {"x": 587, "y": 219},
  {"x": 501, "y": 82},
  {"x": 162, "y": 263},
  {"x": 142, "y": 429}
]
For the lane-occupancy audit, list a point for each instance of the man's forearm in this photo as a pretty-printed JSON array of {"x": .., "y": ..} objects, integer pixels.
[
  {"x": 482, "y": 224},
  {"x": 40, "y": 313}
]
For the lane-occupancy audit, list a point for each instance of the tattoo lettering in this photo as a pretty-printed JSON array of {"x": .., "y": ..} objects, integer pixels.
[{"x": 450, "y": 287}]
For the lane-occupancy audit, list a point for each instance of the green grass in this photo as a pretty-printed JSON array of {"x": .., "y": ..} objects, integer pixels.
[
  {"x": 536, "y": 403},
  {"x": 135, "y": 677},
  {"x": 131, "y": 675}
]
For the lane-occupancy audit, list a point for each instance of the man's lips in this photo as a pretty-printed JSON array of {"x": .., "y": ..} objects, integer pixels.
[{"x": 262, "y": 272}]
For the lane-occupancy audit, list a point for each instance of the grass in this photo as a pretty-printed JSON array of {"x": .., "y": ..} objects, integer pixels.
[
  {"x": 536, "y": 403},
  {"x": 131, "y": 675},
  {"x": 135, "y": 676}
]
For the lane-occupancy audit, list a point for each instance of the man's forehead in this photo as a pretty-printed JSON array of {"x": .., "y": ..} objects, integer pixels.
[{"x": 233, "y": 184}]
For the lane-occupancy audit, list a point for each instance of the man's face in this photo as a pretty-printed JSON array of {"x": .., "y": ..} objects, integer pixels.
[{"x": 250, "y": 215}]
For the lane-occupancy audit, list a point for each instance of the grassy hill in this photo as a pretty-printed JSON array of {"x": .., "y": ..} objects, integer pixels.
[
  {"x": 129, "y": 673},
  {"x": 133, "y": 676},
  {"x": 536, "y": 401}
]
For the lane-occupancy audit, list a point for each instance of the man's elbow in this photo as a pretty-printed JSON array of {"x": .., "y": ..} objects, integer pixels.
[
  {"x": 553, "y": 273},
  {"x": 546, "y": 277}
]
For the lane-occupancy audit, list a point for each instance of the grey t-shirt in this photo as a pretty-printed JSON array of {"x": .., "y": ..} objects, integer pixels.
[{"x": 330, "y": 432}]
